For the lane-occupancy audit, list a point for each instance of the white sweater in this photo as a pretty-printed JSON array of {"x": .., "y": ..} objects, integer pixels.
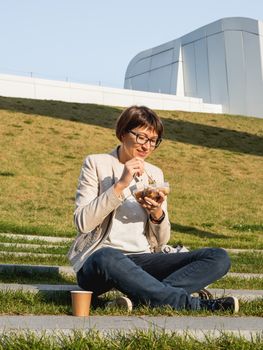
[
  {"x": 97, "y": 203},
  {"x": 127, "y": 232}
]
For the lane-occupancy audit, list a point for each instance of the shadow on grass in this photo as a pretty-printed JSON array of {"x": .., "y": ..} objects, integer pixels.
[
  {"x": 58, "y": 298},
  {"x": 27, "y": 274},
  {"x": 44, "y": 230},
  {"x": 176, "y": 129},
  {"x": 189, "y": 230},
  {"x": 213, "y": 137}
]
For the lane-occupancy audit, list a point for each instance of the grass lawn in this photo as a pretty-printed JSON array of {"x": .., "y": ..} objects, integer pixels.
[
  {"x": 135, "y": 340},
  {"x": 40, "y": 250},
  {"x": 55, "y": 278},
  {"x": 214, "y": 166},
  {"x": 59, "y": 303},
  {"x": 212, "y": 162},
  {"x": 34, "y": 239},
  {"x": 249, "y": 262}
]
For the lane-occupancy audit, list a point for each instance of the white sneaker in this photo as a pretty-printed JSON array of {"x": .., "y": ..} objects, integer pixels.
[
  {"x": 121, "y": 302},
  {"x": 167, "y": 249}
]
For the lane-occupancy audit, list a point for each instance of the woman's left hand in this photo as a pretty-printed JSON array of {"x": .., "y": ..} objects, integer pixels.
[{"x": 152, "y": 206}]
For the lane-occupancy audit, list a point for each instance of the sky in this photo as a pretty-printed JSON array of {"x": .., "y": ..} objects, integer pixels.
[{"x": 93, "y": 41}]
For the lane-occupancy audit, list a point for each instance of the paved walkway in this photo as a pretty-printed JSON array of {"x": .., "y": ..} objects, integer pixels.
[{"x": 199, "y": 327}]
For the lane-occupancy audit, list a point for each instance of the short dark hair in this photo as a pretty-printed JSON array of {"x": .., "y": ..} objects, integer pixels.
[{"x": 138, "y": 116}]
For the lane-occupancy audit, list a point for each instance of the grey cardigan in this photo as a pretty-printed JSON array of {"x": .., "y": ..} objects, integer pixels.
[{"x": 96, "y": 202}]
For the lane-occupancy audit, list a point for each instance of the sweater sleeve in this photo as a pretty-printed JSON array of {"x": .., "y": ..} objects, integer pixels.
[{"x": 92, "y": 207}]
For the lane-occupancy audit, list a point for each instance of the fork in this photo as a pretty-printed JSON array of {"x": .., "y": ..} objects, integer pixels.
[{"x": 150, "y": 178}]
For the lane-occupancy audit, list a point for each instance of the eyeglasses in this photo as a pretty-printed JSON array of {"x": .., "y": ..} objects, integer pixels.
[{"x": 142, "y": 140}]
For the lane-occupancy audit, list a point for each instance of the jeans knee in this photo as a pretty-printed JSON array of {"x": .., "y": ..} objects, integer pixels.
[{"x": 222, "y": 259}]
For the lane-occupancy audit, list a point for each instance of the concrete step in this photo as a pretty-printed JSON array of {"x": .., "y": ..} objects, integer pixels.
[
  {"x": 240, "y": 251},
  {"x": 28, "y": 245},
  {"x": 26, "y": 268},
  {"x": 36, "y": 237},
  {"x": 35, "y": 288},
  {"x": 237, "y": 250},
  {"x": 66, "y": 240},
  {"x": 244, "y": 294},
  {"x": 198, "y": 327},
  {"x": 245, "y": 275},
  {"x": 35, "y": 255},
  {"x": 40, "y": 255},
  {"x": 68, "y": 270}
]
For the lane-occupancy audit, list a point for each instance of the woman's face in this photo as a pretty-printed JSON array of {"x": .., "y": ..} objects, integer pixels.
[{"x": 139, "y": 142}]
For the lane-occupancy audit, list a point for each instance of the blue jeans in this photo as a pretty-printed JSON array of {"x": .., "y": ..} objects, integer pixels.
[{"x": 156, "y": 279}]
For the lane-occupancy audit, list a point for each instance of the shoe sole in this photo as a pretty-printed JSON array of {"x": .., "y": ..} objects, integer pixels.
[
  {"x": 124, "y": 303},
  {"x": 121, "y": 302},
  {"x": 236, "y": 305}
]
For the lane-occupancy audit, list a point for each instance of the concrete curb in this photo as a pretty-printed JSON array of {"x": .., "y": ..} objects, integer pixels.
[
  {"x": 240, "y": 251},
  {"x": 51, "y": 239},
  {"x": 35, "y": 288},
  {"x": 65, "y": 240},
  {"x": 245, "y": 275},
  {"x": 29, "y": 254},
  {"x": 30, "y": 269},
  {"x": 199, "y": 327},
  {"x": 243, "y": 294},
  {"x": 27, "y": 245}
]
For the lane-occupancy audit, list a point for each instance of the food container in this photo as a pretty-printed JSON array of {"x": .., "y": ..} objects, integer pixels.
[{"x": 151, "y": 191}]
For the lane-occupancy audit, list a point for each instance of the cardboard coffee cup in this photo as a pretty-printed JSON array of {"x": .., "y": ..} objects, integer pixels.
[{"x": 80, "y": 302}]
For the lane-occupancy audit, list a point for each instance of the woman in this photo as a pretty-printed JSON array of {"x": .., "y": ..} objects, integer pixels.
[{"x": 120, "y": 238}]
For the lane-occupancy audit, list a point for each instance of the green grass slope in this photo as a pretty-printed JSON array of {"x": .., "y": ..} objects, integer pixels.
[{"x": 213, "y": 162}]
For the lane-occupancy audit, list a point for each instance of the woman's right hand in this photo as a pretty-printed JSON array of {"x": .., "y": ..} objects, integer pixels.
[{"x": 134, "y": 166}]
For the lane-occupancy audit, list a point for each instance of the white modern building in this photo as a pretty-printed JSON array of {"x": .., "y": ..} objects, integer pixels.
[{"x": 220, "y": 63}]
